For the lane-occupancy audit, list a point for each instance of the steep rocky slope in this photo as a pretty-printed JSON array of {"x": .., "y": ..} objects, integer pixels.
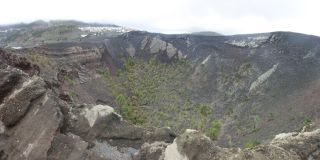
[
  {"x": 37, "y": 124},
  {"x": 255, "y": 86}
]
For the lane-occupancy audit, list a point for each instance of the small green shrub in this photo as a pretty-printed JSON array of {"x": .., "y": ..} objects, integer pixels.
[
  {"x": 121, "y": 100},
  {"x": 181, "y": 61},
  {"x": 129, "y": 64},
  {"x": 72, "y": 94},
  {"x": 69, "y": 79},
  {"x": 307, "y": 122},
  {"x": 129, "y": 112},
  {"x": 256, "y": 123},
  {"x": 251, "y": 144},
  {"x": 214, "y": 129}
]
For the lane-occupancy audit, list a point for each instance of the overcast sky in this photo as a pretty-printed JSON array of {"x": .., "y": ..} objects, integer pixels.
[{"x": 175, "y": 16}]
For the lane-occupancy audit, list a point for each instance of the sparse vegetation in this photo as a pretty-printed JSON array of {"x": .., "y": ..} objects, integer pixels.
[
  {"x": 69, "y": 79},
  {"x": 202, "y": 109},
  {"x": 245, "y": 68},
  {"x": 256, "y": 123},
  {"x": 103, "y": 72},
  {"x": 40, "y": 60},
  {"x": 270, "y": 116},
  {"x": 129, "y": 112},
  {"x": 129, "y": 64},
  {"x": 153, "y": 61},
  {"x": 146, "y": 84},
  {"x": 72, "y": 94},
  {"x": 251, "y": 144},
  {"x": 307, "y": 122}
]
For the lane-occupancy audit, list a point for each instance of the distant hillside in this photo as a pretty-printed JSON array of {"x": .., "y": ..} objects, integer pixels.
[{"x": 42, "y": 32}]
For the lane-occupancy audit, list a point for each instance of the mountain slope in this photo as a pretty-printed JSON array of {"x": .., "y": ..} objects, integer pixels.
[
  {"x": 255, "y": 85},
  {"x": 41, "y": 32}
]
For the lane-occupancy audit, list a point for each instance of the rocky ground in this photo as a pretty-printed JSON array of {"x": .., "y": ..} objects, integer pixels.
[{"x": 152, "y": 96}]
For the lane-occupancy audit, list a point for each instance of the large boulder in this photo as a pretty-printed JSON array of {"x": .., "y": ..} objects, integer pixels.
[
  {"x": 18, "y": 102},
  {"x": 29, "y": 114}
]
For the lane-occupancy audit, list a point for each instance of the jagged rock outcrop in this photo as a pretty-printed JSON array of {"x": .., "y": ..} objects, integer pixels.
[
  {"x": 37, "y": 124},
  {"x": 29, "y": 114},
  {"x": 193, "y": 145},
  {"x": 153, "y": 151},
  {"x": 19, "y": 62}
]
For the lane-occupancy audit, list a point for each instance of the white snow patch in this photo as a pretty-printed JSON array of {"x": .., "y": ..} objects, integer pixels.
[
  {"x": 263, "y": 78},
  {"x": 172, "y": 153},
  {"x": 83, "y": 35},
  {"x": 95, "y": 112},
  {"x": 206, "y": 60}
]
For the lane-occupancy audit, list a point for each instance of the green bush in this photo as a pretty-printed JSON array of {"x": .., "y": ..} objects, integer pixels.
[
  {"x": 128, "y": 112},
  {"x": 307, "y": 122},
  {"x": 202, "y": 109},
  {"x": 140, "y": 87},
  {"x": 69, "y": 79},
  {"x": 120, "y": 99},
  {"x": 214, "y": 129},
  {"x": 129, "y": 64}
]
